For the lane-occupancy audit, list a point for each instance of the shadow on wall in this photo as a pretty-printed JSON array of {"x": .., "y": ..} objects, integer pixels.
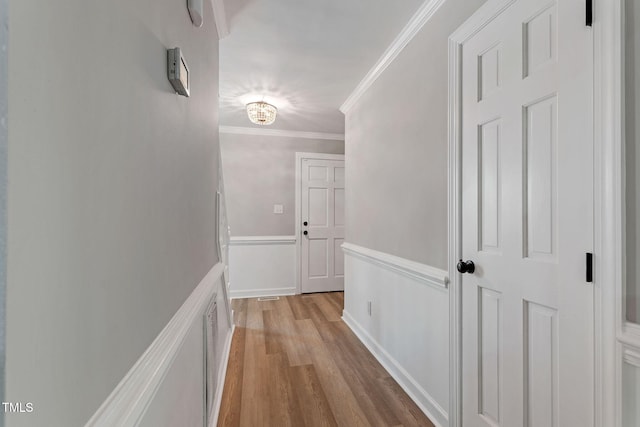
[{"x": 233, "y": 8}]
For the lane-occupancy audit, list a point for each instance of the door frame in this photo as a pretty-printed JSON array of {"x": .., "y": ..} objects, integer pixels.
[
  {"x": 620, "y": 340},
  {"x": 300, "y": 156},
  {"x": 607, "y": 206}
]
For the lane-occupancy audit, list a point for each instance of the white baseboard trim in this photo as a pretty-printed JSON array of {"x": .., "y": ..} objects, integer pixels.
[
  {"x": 222, "y": 377},
  {"x": 419, "y": 395},
  {"x": 128, "y": 402},
  {"x": 255, "y": 293},
  {"x": 424, "y": 273}
]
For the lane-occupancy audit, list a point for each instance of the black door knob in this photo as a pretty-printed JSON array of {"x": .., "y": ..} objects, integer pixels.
[
  {"x": 304, "y": 223},
  {"x": 466, "y": 266},
  {"x": 305, "y": 232}
]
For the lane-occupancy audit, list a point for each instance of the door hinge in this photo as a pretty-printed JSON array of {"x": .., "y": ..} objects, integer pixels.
[
  {"x": 589, "y": 267},
  {"x": 589, "y": 14}
]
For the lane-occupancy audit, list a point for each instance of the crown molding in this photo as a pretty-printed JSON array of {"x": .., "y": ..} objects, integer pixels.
[
  {"x": 421, "y": 17},
  {"x": 220, "y": 16},
  {"x": 237, "y": 130}
]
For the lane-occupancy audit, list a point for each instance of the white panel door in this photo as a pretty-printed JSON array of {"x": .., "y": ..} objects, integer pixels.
[
  {"x": 527, "y": 203},
  {"x": 322, "y": 215}
]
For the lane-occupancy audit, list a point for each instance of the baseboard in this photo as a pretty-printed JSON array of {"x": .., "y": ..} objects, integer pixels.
[
  {"x": 128, "y": 402},
  {"x": 222, "y": 377},
  {"x": 425, "y": 402},
  {"x": 255, "y": 293}
]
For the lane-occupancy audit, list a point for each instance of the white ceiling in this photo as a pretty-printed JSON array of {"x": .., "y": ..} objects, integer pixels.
[{"x": 303, "y": 56}]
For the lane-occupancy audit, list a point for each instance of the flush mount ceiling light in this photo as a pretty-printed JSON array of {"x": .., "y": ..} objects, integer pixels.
[{"x": 261, "y": 113}]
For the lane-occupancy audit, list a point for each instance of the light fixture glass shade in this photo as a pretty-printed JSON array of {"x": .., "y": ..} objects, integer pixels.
[{"x": 261, "y": 113}]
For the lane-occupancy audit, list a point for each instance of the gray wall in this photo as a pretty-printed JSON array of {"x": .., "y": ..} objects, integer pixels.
[
  {"x": 396, "y": 149},
  {"x": 111, "y": 201},
  {"x": 259, "y": 171}
]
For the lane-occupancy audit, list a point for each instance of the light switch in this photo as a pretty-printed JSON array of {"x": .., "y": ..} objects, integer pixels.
[{"x": 278, "y": 209}]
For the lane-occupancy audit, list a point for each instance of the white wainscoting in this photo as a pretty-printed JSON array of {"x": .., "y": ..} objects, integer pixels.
[
  {"x": 630, "y": 385},
  {"x": 262, "y": 266},
  {"x": 166, "y": 386},
  {"x": 407, "y": 329}
]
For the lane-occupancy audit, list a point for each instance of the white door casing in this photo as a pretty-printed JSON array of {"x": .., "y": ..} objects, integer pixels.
[
  {"x": 527, "y": 216},
  {"x": 320, "y": 225}
]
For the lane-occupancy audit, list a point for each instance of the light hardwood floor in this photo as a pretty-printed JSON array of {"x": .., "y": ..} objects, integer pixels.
[{"x": 294, "y": 362}]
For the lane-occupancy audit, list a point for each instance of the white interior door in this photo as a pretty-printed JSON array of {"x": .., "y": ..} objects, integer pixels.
[
  {"x": 527, "y": 203},
  {"x": 322, "y": 228}
]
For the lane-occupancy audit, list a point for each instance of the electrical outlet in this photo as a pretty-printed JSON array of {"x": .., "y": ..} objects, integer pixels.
[
  {"x": 369, "y": 307},
  {"x": 278, "y": 209}
]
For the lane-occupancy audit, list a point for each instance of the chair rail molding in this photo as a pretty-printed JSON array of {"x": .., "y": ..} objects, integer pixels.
[
  {"x": 262, "y": 240},
  {"x": 128, "y": 402},
  {"x": 632, "y": 357},
  {"x": 421, "y": 272}
]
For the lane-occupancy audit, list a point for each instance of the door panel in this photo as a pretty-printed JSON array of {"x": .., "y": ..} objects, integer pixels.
[
  {"x": 489, "y": 186},
  {"x": 318, "y": 265},
  {"x": 318, "y": 206},
  {"x": 490, "y": 365},
  {"x": 540, "y": 177},
  {"x": 322, "y": 207},
  {"x": 541, "y": 365},
  {"x": 527, "y": 206}
]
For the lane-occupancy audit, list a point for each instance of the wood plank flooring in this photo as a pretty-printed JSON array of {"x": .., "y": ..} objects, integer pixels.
[{"x": 294, "y": 362}]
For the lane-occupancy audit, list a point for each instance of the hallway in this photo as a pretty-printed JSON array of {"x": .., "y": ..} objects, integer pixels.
[{"x": 294, "y": 362}]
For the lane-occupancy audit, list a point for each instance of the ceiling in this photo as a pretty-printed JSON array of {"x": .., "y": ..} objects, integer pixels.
[{"x": 303, "y": 56}]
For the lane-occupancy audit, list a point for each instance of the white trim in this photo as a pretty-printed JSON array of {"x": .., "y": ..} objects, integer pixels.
[
  {"x": 237, "y": 130},
  {"x": 454, "y": 235},
  {"x": 298, "y": 219},
  {"x": 220, "y": 17},
  {"x": 262, "y": 240},
  {"x": 414, "y": 270},
  {"x": 630, "y": 334},
  {"x": 128, "y": 402},
  {"x": 415, "y": 24},
  {"x": 222, "y": 375},
  {"x": 419, "y": 395},
  {"x": 481, "y": 18},
  {"x": 609, "y": 208},
  {"x": 631, "y": 357},
  {"x": 255, "y": 293}
]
